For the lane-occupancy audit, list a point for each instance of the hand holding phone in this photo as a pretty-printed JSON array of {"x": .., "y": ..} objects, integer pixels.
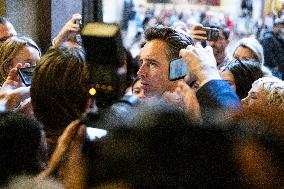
[
  {"x": 178, "y": 69},
  {"x": 26, "y": 74},
  {"x": 199, "y": 32}
]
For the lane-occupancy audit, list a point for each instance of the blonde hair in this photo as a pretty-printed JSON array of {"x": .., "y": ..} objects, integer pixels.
[
  {"x": 274, "y": 90},
  {"x": 10, "y": 49}
]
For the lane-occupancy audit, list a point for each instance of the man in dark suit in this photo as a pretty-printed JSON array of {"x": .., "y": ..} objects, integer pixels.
[{"x": 164, "y": 44}]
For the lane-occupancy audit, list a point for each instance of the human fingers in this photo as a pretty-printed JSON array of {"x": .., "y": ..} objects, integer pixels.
[
  {"x": 13, "y": 75},
  {"x": 179, "y": 87},
  {"x": 76, "y": 16},
  {"x": 198, "y": 32},
  {"x": 14, "y": 97},
  {"x": 183, "y": 88},
  {"x": 26, "y": 65},
  {"x": 203, "y": 52},
  {"x": 198, "y": 37},
  {"x": 171, "y": 97},
  {"x": 187, "y": 54},
  {"x": 74, "y": 22},
  {"x": 181, "y": 84},
  {"x": 19, "y": 65}
]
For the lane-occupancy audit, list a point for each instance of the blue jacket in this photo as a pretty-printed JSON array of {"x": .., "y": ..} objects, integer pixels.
[{"x": 217, "y": 95}]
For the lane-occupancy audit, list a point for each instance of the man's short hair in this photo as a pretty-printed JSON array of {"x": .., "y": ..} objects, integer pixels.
[{"x": 175, "y": 40}]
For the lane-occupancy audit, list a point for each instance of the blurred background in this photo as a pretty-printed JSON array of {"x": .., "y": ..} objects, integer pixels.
[{"x": 42, "y": 20}]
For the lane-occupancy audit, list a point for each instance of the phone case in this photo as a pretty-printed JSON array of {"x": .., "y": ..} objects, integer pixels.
[
  {"x": 178, "y": 69},
  {"x": 26, "y": 74}
]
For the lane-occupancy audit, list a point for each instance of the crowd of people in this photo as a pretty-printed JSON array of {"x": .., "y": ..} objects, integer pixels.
[{"x": 220, "y": 126}]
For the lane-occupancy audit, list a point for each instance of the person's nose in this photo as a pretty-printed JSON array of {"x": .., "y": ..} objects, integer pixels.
[{"x": 142, "y": 72}]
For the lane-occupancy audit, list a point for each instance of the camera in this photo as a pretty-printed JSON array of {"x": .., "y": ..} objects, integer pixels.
[
  {"x": 105, "y": 58},
  {"x": 212, "y": 33}
]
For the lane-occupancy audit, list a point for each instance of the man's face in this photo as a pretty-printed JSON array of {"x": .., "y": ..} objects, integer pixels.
[
  {"x": 6, "y": 31},
  {"x": 219, "y": 47},
  {"x": 154, "y": 69}
]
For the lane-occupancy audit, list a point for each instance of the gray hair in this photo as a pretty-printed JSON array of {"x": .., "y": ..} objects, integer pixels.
[{"x": 274, "y": 90}]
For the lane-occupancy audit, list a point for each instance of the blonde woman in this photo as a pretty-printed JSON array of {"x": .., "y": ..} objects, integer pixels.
[
  {"x": 16, "y": 50},
  {"x": 265, "y": 92}
]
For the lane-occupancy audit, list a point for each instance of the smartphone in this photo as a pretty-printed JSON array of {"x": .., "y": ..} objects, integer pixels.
[
  {"x": 212, "y": 34},
  {"x": 178, "y": 69},
  {"x": 26, "y": 74}
]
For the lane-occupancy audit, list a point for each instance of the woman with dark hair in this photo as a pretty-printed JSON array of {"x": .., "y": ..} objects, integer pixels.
[
  {"x": 59, "y": 90},
  {"x": 241, "y": 74}
]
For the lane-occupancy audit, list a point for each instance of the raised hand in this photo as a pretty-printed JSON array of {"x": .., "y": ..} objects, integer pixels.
[
  {"x": 69, "y": 30},
  {"x": 201, "y": 62},
  {"x": 13, "y": 93},
  {"x": 68, "y": 162}
]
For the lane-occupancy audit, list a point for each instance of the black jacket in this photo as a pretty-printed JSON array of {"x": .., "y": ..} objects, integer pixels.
[{"x": 273, "y": 48}]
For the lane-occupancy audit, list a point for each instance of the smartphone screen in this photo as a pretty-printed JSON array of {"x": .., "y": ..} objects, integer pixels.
[
  {"x": 178, "y": 69},
  {"x": 26, "y": 74}
]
